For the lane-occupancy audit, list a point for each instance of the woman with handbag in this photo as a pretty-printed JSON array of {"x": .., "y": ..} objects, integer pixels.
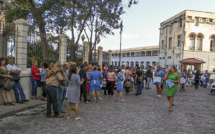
[
  {"x": 35, "y": 76},
  {"x": 111, "y": 79},
  {"x": 4, "y": 76}
]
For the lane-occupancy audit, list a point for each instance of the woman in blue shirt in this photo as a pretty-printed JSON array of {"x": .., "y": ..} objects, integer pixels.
[
  {"x": 94, "y": 77},
  {"x": 43, "y": 72},
  {"x": 158, "y": 80}
]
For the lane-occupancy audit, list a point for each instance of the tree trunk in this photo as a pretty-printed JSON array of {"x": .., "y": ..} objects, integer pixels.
[{"x": 43, "y": 41}]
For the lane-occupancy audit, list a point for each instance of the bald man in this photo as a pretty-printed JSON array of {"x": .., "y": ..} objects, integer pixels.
[{"x": 63, "y": 87}]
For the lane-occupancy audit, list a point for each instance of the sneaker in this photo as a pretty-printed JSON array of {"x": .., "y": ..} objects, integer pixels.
[
  {"x": 59, "y": 115},
  {"x": 100, "y": 98},
  {"x": 159, "y": 96},
  {"x": 122, "y": 100}
]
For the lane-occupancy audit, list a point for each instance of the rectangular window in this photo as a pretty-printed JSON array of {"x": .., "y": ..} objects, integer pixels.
[
  {"x": 179, "y": 40},
  {"x": 170, "y": 28},
  {"x": 162, "y": 45},
  {"x": 180, "y": 24},
  {"x": 203, "y": 20},
  {"x": 197, "y": 21},
  {"x": 189, "y": 18},
  {"x": 170, "y": 43},
  {"x": 212, "y": 46}
]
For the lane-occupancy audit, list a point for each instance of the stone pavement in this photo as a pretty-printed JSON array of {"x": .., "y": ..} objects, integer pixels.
[
  {"x": 193, "y": 113},
  {"x": 10, "y": 110}
]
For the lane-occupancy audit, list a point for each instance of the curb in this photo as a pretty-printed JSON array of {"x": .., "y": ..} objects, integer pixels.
[{"x": 12, "y": 112}]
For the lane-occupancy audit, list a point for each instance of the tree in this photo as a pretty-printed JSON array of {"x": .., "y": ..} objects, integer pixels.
[{"x": 34, "y": 10}]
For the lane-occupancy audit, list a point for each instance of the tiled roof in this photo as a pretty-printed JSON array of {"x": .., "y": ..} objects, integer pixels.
[{"x": 192, "y": 61}]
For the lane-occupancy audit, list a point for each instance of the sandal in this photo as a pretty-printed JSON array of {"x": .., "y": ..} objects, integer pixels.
[
  {"x": 69, "y": 117},
  {"x": 78, "y": 118},
  {"x": 170, "y": 109}
]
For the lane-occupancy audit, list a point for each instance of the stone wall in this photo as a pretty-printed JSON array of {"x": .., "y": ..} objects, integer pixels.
[{"x": 26, "y": 85}]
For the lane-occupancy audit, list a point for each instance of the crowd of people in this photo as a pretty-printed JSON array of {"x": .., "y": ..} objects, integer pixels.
[{"x": 72, "y": 82}]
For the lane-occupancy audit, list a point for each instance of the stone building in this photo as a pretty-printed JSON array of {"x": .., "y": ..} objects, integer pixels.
[
  {"x": 188, "y": 35},
  {"x": 142, "y": 56}
]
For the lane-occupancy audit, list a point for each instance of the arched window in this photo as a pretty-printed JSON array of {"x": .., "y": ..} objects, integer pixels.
[
  {"x": 147, "y": 64},
  {"x": 199, "y": 42},
  {"x": 212, "y": 45},
  {"x": 192, "y": 41},
  {"x": 142, "y": 64},
  {"x": 127, "y": 64},
  {"x": 132, "y": 64},
  {"x": 115, "y": 63},
  {"x": 137, "y": 63}
]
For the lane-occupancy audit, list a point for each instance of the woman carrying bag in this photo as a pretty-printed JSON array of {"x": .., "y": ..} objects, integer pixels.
[
  {"x": 4, "y": 76},
  {"x": 173, "y": 78}
]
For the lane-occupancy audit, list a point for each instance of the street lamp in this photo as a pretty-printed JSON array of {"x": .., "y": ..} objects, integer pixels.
[{"x": 83, "y": 37}]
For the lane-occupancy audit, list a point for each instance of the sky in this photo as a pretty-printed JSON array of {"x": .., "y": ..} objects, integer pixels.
[{"x": 142, "y": 21}]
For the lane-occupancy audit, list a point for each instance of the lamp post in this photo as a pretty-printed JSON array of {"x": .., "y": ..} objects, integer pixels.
[{"x": 120, "y": 53}]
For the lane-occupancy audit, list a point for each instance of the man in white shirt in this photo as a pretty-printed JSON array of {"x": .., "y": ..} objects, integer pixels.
[{"x": 14, "y": 71}]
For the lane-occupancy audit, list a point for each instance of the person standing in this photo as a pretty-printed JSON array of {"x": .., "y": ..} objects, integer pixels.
[
  {"x": 170, "y": 91},
  {"x": 164, "y": 81},
  {"x": 4, "y": 76},
  {"x": 197, "y": 76},
  {"x": 88, "y": 83},
  {"x": 138, "y": 81},
  {"x": 15, "y": 71},
  {"x": 83, "y": 91},
  {"x": 63, "y": 88},
  {"x": 43, "y": 72},
  {"x": 207, "y": 76},
  {"x": 73, "y": 94},
  {"x": 54, "y": 77},
  {"x": 159, "y": 75},
  {"x": 111, "y": 78},
  {"x": 189, "y": 78},
  {"x": 105, "y": 77},
  {"x": 148, "y": 78},
  {"x": 94, "y": 77},
  {"x": 183, "y": 80},
  {"x": 128, "y": 76},
  {"x": 119, "y": 87},
  {"x": 35, "y": 76}
]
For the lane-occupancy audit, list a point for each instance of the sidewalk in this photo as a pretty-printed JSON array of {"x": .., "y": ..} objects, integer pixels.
[{"x": 10, "y": 110}]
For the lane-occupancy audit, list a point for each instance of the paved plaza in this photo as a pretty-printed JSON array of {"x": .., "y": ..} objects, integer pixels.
[{"x": 193, "y": 113}]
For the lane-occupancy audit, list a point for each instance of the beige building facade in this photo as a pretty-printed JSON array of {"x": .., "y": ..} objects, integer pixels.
[{"x": 189, "y": 34}]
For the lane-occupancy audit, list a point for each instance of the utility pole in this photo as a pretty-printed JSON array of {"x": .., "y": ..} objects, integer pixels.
[{"x": 120, "y": 53}]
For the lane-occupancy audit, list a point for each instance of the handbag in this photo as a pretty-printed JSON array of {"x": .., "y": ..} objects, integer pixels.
[
  {"x": 127, "y": 83},
  {"x": 1, "y": 81},
  {"x": 9, "y": 84}
]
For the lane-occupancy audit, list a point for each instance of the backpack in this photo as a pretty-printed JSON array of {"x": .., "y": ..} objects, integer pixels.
[{"x": 139, "y": 79}]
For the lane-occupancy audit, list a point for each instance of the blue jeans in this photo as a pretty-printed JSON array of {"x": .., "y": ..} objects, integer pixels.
[
  {"x": 51, "y": 92},
  {"x": 207, "y": 80},
  {"x": 17, "y": 86},
  {"x": 139, "y": 88},
  {"x": 147, "y": 82},
  {"x": 61, "y": 96},
  {"x": 34, "y": 87}
]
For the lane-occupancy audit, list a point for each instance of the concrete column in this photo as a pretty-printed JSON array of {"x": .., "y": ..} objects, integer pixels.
[
  {"x": 62, "y": 48},
  {"x": 100, "y": 56},
  {"x": 86, "y": 52},
  {"x": 109, "y": 57},
  {"x": 21, "y": 27}
]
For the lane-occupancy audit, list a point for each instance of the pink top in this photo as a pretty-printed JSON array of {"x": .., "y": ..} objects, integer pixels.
[
  {"x": 128, "y": 75},
  {"x": 111, "y": 76}
]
